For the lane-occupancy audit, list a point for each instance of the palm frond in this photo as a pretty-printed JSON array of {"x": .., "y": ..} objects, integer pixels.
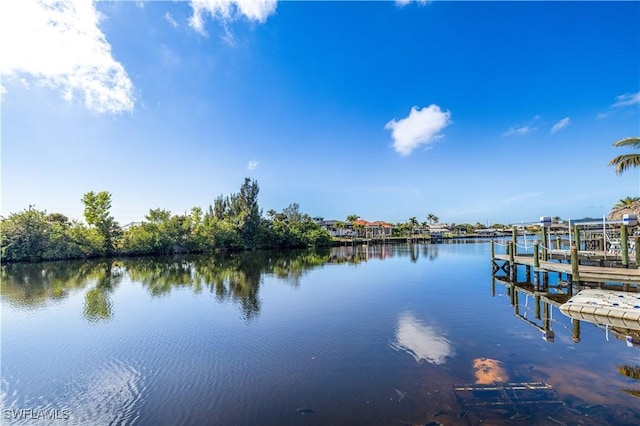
[
  {"x": 625, "y": 202},
  {"x": 634, "y": 142},
  {"x": 624, "y": 162}
]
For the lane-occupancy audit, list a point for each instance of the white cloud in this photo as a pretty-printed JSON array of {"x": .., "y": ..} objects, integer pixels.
[
  {"x": 514, "y": 130},
  {"x": 228, "y": 37},
  {"x": 58, "y": 43},
  {"x": 170, "y": 20},
  {"x": 602, "y": 115},
  {"x": 522, "y": 129},
  {"x": 421, "y": 342},
  {"x": 422, "y": 126},
  {"x": 402, "y": 3},
  {"x": 252, "y": 165},
  {"x": 627, "y": 99},
  {"x": 228, "y": 10},
  {"x": 560, "y": 124}
]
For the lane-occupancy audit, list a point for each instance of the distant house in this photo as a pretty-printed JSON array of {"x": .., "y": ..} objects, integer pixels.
[
  {"x": 459, "y": 229},
  {"x": 439, "y": 230},
  {"x": 559, "y": 227},
  {"x": 378, "y": 229},
  {"x": 492, "y": 232},
  {"x": 336, "y": 229},
  {"x": 381, "y": 229}
]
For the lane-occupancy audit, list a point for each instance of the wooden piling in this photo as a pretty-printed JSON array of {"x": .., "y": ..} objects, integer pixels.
[
  {"x": 511, "y": 252},
  {"x": 624, "y": 245},
  {"x": 575, "y": 273},
  {"x": 493, "y": 250},
  {"x": 558, "y": 242},
  {"x": 512, "y": 262},
  {"x": 536, "y": 255},
  {"x": 543, "y": 238},
  {"x": 576, "y": 235},
  {"x": 546, "y": 322},
  {"x": 514, "y": 239},
  {"x": 576, "y": 330}
]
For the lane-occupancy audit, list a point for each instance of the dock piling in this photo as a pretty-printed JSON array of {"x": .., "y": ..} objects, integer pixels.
[
  {"x": 543, "y": 238},
  {"x": 576, "y": 330},
  {"x": 575, "y": 273}
]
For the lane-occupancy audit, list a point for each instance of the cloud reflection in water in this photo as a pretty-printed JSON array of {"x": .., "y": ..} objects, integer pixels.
[{"x": 422, "y": 342}]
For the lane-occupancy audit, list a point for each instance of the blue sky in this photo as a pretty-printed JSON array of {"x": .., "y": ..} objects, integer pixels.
[{"x": 493, "y": 112}]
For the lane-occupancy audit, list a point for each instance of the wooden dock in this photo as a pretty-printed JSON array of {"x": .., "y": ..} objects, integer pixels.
[{"x": 586, "y": 273}]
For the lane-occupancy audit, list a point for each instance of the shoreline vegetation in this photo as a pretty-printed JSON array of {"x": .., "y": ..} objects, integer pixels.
[{"x": 232, "y": 223}]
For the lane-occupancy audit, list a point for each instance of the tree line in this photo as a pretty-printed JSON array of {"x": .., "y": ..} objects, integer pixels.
[{"x": 234, "y": 222}]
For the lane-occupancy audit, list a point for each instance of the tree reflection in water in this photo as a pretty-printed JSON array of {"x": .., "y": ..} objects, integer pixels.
[{"x": 230, "y": 276}]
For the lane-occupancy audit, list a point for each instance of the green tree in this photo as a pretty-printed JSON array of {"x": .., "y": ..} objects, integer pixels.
[
  {"x": 25, "y": 235},
  {"x": 432, "y": 218},
  {"x": 246, "y": 212},
  {"x": 625, "y": 161},
  {"x": 352, "y": 218},
  {"x": 625, "y": 202},
  {"x": 33, "y": 235},
  {"x": 412, "y": 223},
  {"x": 292, "y": 213},
  {"x": 96, "y": 213}
]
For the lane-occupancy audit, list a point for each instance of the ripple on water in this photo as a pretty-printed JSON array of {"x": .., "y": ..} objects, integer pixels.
[{"x": 110, "y": 394}]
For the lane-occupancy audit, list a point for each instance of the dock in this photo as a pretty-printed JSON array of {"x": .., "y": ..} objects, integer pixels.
[
  {"x": 616, "y": 261},
  {"x": 598, "y": 274}
]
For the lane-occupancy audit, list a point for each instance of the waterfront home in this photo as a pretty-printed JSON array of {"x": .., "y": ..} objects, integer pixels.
[
  {"x": 492, "y": 232},
  {"x": 360, "y": 228},
  {"x": 439, "y": 230},
  {"x": 378, "y": 229},
  {"x": 337, "y": 228}
]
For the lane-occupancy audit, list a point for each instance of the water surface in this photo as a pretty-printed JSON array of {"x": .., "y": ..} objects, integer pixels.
[{"x": 385, "y": 334}]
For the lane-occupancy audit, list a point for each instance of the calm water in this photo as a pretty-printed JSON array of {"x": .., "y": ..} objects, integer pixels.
[{"x": 378, "y": 335}]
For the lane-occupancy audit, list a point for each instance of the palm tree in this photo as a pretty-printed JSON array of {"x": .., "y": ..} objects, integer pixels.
[
  {"x": 352, "y": 218},
  {"x": 623, "y": 162},
  {"x": 432, "y": 218},
  {"x": 413, "y": 222},
  {"x": 625, "y": 202}
]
